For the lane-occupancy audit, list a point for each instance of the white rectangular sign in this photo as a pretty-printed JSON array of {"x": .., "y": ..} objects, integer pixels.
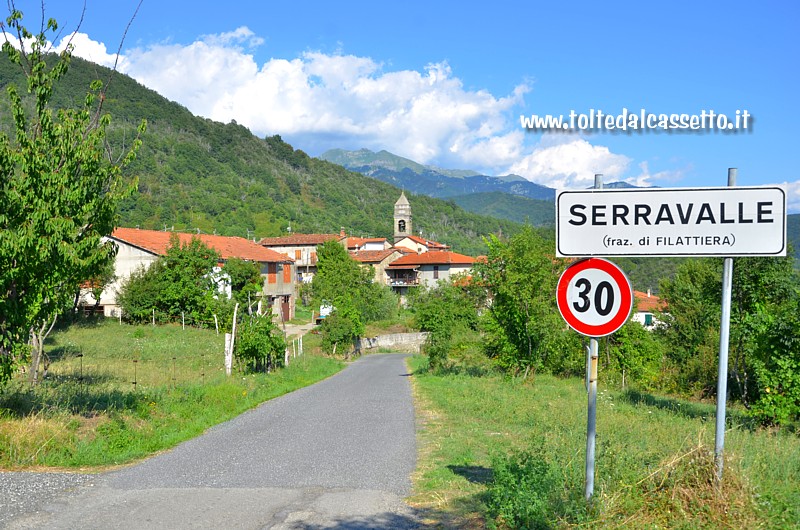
[{"x": 730, "y": 221}]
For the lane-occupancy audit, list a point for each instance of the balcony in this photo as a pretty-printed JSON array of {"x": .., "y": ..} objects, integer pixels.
[{"x": 403, "y": 282}]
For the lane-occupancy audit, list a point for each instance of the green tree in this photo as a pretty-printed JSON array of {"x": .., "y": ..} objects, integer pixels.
[
  {"x": 246, "y": 280},
  {"x": 690, "y": 327},
  {"x": 343, "y": 326},
  {"x": 348, "y": 286},
  {"x": 761, "y": 334},
  {"x": 636, "y": 353},
  {"x": 777, "y": 367},
  {"x": 58, "y": 195},
  {"x": 180, "y": 283},
  {"x": 339, "y": 277},
  {"x": 260, "y": 345},
  {"x": 523, "y": 328},
  {"x": 441, "y": 311}
]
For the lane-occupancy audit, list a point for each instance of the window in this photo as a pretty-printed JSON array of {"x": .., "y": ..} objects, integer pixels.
[
  {"x": 435, "y": 272},
  {"x": 287, "y": 273},
  {"x": 401, "y": 226},
  {"x": 272, "y": 273},
  {"x": 648, "y": 319},
  {"x": 298, "y": 254}
]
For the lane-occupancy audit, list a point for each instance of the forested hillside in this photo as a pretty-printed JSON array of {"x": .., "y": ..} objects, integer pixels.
[{"x": 198, "y": 174}]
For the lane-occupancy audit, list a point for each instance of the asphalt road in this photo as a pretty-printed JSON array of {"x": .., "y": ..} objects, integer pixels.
[{"x": 337, "y": 454}]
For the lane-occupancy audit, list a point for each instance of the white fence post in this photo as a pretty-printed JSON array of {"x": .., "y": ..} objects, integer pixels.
[{"x": 228, "y": 353}]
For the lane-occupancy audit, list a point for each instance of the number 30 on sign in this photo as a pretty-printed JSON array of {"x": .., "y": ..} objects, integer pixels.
[{"x": 595, "y": 297}]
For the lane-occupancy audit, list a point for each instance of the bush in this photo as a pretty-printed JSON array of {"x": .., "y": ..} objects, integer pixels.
[
  {"x": 441, "y": 311},
  {"x": 527, "y": 491},
  {"x": 343, "y": 326},
  {"x": 260, "y": 345}
]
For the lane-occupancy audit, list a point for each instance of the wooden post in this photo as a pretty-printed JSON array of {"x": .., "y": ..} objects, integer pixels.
[
  {"x": 216, "y": 324},
  {"x": 228, "y": 353}
]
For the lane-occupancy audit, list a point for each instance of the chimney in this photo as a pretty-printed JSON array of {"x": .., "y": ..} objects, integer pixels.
[
  {"x": 341, "y": 232},
  {"x": 648, "y": 293}
]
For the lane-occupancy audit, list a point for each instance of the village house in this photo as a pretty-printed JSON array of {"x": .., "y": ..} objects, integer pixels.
[
  {"x": 141, "y": 248},
  {"x": 379, "y": 260},
  {"x": 644, "y": 306},
  {"x": 302, "y": 248},
  {"x": 357, "y": 244},
  {"x": 426, "y": 269}
]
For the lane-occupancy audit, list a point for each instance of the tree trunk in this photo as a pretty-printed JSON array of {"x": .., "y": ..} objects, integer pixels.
[{"x": 38, "y": 336}]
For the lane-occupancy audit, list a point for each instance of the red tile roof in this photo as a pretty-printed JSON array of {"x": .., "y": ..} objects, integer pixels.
[
  {"x": 435, "y": 257},
  {"x": 372, "y": 256},
  {"x": 298, "y": 239},
  {"x": 157, "y": 242},
  {"x": 647, "y": 303}
]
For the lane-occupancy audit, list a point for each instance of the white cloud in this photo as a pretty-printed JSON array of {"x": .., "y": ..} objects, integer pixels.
[
  {"x": 570, "y": 162},
  {"x": 792, "y": 196},
  {"x": 425, "y": 115},
  {"x": 646, "y": 178},
  {"x": 91, "y": 50},
  {"x": 324, "y": 100},
  {"x": 241, "y": 35}
]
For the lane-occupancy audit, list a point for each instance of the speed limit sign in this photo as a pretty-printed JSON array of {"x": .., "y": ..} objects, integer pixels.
[{"x": 595, "y": 297}]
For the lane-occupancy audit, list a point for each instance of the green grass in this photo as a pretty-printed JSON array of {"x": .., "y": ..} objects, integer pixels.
[
  {"x": 302, "y": 314},
  {"x": 484, "y": 434},
  {"x": 103, "y": 419}
]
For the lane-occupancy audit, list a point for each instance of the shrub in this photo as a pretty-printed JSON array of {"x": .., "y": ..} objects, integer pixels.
[
  {"x": 260, "y": 345},
  {"x": 526, "y": 492},
  {"x": 343, "y": 326}
]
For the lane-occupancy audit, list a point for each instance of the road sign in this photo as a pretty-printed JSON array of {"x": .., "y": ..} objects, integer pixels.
[
  {"x": 731, "y": 221},
  {"x": 595, "y": 297}
]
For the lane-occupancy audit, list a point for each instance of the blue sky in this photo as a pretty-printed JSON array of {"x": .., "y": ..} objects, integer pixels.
[{"x": 445, "y": 83}]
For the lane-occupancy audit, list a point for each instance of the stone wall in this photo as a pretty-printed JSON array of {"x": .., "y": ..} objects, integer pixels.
[{"x": 403, "y": 342}]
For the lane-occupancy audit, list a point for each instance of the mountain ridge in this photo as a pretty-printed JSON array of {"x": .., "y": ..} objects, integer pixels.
[{"x": 198, "y": 174}]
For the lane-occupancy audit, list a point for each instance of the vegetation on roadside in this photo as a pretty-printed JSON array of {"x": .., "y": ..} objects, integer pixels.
[
  {"x": 503, "y": 449},
  {"x": 505, "y": 452},
  {"x": 511, "y": 296},
  {"x": 89, "y": 413}
]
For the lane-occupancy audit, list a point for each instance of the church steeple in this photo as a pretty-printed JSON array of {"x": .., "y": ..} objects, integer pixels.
[{"x": 402, "y": 218}]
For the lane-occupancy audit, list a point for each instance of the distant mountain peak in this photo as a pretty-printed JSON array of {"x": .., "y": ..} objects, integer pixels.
[{"x": 431, "y": 180}]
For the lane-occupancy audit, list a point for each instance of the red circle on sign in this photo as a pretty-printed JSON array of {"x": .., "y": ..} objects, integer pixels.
[{"x": 579, "y": 322}]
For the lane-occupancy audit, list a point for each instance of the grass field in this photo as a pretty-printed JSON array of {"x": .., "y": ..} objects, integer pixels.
[
  {"x": 506, "y": 453},
  {"x": 89, "y": 413}
]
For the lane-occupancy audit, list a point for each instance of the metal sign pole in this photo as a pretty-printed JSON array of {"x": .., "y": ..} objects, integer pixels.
[
  {"x": 591, "y": 423},
  {"x": 724, "y": 337},
  {"x": 591, "y": 429}
]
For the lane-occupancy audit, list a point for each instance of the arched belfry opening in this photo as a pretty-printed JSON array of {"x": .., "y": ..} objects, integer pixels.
[{"x": 402, "y": 218}]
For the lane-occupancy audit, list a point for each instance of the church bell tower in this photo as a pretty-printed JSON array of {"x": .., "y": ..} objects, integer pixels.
[{"x": 402, "y": 218}]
